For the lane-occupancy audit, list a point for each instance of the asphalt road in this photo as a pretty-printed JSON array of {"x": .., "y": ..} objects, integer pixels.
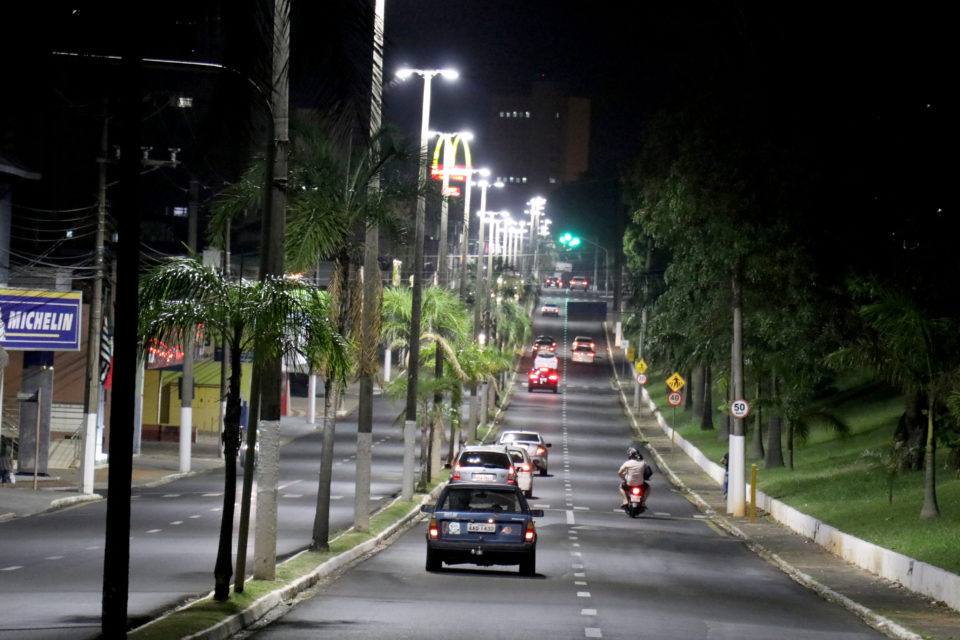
[
  {"x": 669, "y": 574},
  {"x": 52, "y": 563}
]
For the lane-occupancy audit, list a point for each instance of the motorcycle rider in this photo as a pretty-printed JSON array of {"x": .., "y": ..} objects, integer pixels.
[{"x": 634, "y": 472}]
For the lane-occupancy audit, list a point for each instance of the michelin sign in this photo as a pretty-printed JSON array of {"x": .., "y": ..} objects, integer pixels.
[{"x": 32, "y": 320}]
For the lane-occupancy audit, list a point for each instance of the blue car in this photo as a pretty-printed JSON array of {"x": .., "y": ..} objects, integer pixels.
[{"x": 482, "y": 524}]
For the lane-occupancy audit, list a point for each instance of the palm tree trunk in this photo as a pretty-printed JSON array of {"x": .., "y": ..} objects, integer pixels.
[
  {"x": 321, "y": 519},
  {"x": 930, "y": 508},
  {"x": 223, "y": 569}
]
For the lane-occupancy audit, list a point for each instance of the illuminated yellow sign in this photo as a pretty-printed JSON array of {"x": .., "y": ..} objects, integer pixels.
[{"x": 448, "y": 144}]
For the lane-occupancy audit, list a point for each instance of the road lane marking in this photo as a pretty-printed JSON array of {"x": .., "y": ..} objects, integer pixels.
[
  {"x": 579, "y": 574},
  {"x": 211, "y": 495},
  {"x": 588, "y": 612},
  {"x": 288, "y": 484},
  {"x": 583, "y": 594},
  {"x": 291, "y": 495},
  {"x": 176, "y": 522},
  {"x": 570, "y": 519},
  {"x": 54, "y": 558},
  {"x": 154, "y": 530},
  {"x": 170, "y": 495},
  {"x": 592, "y": 632},
  {"x": 12, "y": 567},
  {"x": 195, "y": 516}
]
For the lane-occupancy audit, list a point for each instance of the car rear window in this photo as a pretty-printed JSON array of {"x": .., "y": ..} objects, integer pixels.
[
  {"x": 520, "y": 437},
  {"x": 484, "y": 459},
  {"x": 584, "y": 347},
  {"x": 467, "y": 499}
]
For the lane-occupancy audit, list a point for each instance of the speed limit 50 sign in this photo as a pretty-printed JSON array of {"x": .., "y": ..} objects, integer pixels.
[{"x": 739, "y": 409}]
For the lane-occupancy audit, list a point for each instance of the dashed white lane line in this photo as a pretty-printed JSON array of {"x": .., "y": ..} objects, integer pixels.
[
  {"x": 291, "y": 495},
  {"x": 588, "y": 612},
  {"x": 95, "y": 547},
  {"x": 211, "y": 495},
  {"x": 288, "y": 484},
  {"x": 176, "y": 522},
  {"x": 592, "y": 632},
  {"x": 195, "y": 516},
  {"x": 570, "y": 519},
  {"x": 154, "y": 530},
  {"x": 583, "y": 594},
  {"x": 12, "y": 567},
  {"x": 580, "y": 583},
  {"x": 171, "y": 495},
  {"x": 579, "y": 574},
  {"x": 54, "y": 558}
]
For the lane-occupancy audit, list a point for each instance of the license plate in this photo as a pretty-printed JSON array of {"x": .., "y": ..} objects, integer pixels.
[
  {"x": 484, "y": 477},
  {"x": 543, "y": 381},
  {"x": 481, "y": 527}
]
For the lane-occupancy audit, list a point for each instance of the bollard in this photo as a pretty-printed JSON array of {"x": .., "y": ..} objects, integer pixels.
[{"x": 753, "y": 493}]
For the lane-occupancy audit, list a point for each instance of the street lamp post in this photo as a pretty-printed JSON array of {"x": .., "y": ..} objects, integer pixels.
[
  {"x": 536, "y": 208},
  {"x": 479, "y": 300},
  {"x": 413, "y": 339}
]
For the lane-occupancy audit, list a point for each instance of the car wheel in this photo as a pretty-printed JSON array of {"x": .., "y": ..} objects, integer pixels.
[
  {"x": 528, "y": 494},
  {"x": 434, "y": 563},
  {"x": 543, "y": 471},
  {"x": 555, "y": 390},
  {"x": 528, "y": 565},
  {"x": 529, "y": 389}
]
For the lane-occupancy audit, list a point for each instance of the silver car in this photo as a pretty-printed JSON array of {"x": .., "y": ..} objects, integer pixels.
[
  {"x": 533, "y": 442},
  {"x": 489, "y": 464},
  {"x": 524, "y": 466}
]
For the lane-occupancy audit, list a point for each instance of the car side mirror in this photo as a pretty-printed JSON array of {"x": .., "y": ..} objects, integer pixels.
[
  {"x": 428, "y": 508},
  {"x": 536, "y": 513}
]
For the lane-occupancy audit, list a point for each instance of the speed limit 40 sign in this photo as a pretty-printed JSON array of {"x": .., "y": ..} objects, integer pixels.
[
  {"x": 739, "y": 409},
  {"x": 675, "y": 398}
]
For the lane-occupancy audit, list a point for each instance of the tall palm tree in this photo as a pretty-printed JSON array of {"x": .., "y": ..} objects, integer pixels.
[
  {"x": 271, "y": 318},
  {"x": 914, "y": 351}
]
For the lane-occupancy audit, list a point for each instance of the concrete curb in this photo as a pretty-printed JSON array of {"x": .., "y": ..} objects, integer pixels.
[{"x": 263, "y": 606}]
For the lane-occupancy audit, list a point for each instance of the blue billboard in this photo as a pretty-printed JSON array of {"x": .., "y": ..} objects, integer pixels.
[{"x": 34, "y": 320}]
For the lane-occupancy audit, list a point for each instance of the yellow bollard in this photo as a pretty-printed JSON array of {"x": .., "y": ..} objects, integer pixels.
[{"x": 753, "y": 493}]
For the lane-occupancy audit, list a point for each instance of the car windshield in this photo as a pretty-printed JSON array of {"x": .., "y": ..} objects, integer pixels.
[
  {"x": 472, "y": 499},
  {"x": 519, "y": 437},
  {"x": 489, "y": 459}
]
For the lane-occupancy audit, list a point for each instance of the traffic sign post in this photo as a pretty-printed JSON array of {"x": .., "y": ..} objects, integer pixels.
[
  {"x": 675, "y": 398},
  {"x": 739, "y": 409}
]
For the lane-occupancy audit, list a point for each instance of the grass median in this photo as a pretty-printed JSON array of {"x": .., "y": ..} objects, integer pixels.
[{"x": 846, "y": 480}]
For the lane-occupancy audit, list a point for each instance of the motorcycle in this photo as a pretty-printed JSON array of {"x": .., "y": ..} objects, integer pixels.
[{"x": 634, "y": 506}]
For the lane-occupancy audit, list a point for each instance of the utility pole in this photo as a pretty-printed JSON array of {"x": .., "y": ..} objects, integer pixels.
[
  {"x": 94, "y": 327},
  {"x": 186, "y": 383}
]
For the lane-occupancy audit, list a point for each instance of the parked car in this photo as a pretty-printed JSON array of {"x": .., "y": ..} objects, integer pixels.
[
  {"x": 523, "y": 463},
  {"x": 550, "y": 309},
  {"x": 483, "y": 463},
  {"x": 583, "y": 353},
  {"x": 543, "y": 378},
  {"x": 579, "y": 282},
  {"x": 534, "y": 443},
  {"x": 546, "y": 359},
  {"x": 544, "y": 342},
  {"x": 482, "y": 524}
]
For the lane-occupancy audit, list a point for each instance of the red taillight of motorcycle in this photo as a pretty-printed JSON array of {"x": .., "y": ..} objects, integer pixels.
[
  {"x": 456, "y": 472},
  {"x": 636, "y": 490},
  {"x": 530, "y": 533},
  {"x": 511, "y": 475},
  {"x": 433, "y": 529},
  {"x": 541, "y": 451}
]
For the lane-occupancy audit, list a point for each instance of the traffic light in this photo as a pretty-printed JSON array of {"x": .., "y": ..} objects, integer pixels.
[{"x": 569, "y": 240}]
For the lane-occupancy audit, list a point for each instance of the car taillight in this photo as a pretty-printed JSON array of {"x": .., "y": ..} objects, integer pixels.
[
  {"x": 541, "y": 451},
  {"x": 434, "y": 531},
  {"x": 530, "y": 533},
  {"x": 593, "y": 345},
  {"x": 456, "y": 472},
  {"x": 553, "y": 377},
  {"x": 636, "y": 490},
  {"x": 526, "y": 467},
  {"x": 511, "y": 475},
  {"x": 533, "y": 376}
]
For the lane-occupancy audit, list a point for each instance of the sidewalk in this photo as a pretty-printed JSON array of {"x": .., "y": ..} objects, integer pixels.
[
  {"x": 887, "y": 607},
  {"x": 158, "y": 463}
]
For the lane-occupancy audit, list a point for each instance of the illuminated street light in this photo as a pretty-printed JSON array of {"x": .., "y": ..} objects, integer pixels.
[{"x": 413, "y": 339}]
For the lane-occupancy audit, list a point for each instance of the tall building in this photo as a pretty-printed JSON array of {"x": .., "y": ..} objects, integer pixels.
[{"x": 538, "y": 141}]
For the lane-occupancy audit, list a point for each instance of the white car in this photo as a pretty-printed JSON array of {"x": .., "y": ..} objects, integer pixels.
[
  {"x": 547, "y": 359},
  {"x": 583, "y": 353},
  {"x": 524, "y": 466}
]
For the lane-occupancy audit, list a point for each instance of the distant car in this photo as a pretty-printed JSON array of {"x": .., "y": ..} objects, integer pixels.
[
  {"x": 553, "y": 281},
  {"x": 583, "y": 353},
  {"x": 483, "y": 463},
  {"x": 482, "y": 524},
  {"x": 546, "y": 359},
  {"x": 584, "y": 340},
  {"x": 550, "y": 309},
  {"x": 523, "y": 463},
  {"x": 543, "y": 378},
  {"x": 534, "y": 443},
  {"x": 544, "y": 342},
  {"x": 579, "y": 282}
]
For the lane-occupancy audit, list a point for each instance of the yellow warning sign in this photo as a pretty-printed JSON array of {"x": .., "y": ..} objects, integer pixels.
[
  {"x": 641, "y": 366},
  {"x": 676, "y": 382}
]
